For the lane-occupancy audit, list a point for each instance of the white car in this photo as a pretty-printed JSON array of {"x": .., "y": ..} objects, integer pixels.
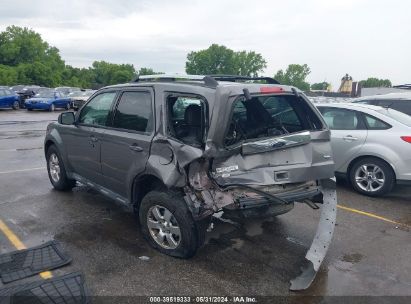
[{"x": 371, "y": 145}]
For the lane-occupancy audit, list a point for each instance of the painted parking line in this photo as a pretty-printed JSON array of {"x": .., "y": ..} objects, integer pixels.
[
  {"x": 375, "y": 216},
  {"x": 20, "y": 149},
  {"x": 13, "y": 238},
  {"x": 22, "y": 170}
]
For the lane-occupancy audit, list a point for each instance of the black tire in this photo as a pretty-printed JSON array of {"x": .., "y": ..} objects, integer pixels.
[
  {"x": 386, "y": 174},
  {"x": 63, "y": 183},
  {"x": 29, "y": 109},
  {"x": 16, "y": 105},
  {"x": 192, "y": 233}
]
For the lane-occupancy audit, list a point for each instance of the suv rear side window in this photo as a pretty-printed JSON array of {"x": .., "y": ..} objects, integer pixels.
[
  {"x": 134, "y": 112},
  {"x": 97, "y": 110},
  {"x": 186, "y": 119}
]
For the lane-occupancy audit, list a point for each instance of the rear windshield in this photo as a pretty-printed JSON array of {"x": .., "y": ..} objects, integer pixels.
[
  {"x": 396, "y": 115},
  {"x": 270, "y": 116}
]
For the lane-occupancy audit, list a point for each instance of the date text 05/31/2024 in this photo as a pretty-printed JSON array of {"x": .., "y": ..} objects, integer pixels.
[{"x": 199, "y": 299}]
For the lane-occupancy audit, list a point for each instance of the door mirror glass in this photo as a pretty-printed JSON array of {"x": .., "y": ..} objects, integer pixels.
[{"x": 66, "y": 118}]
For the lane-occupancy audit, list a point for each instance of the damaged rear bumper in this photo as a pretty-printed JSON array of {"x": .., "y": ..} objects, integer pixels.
[{"x": 322, "y": 239}]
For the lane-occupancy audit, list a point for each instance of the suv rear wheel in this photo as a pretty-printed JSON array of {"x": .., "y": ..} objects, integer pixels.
[
  {"x": 57, "y": 171},
  {"x": 168, "y": 225},
  {"x": 372, "y": 176}
]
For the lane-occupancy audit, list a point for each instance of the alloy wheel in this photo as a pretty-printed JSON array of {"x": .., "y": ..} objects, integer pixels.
[
  {"x": 369, "y": 177},
  {"x": 163, "y": 227},
  {"x": 54, "y": 168}
]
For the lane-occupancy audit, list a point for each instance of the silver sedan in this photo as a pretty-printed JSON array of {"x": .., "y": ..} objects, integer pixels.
[{"x": 371, "y": 145}]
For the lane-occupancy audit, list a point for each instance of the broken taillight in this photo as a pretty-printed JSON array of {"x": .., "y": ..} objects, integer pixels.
[
  {"x": 406, "y": 138},
  {"x": 267, "y": 90}
]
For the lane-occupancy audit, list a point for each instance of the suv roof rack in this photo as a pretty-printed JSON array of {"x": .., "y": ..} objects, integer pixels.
[
  {"x": 209, "y": 80},
  {"x": 236, "y": 78}
]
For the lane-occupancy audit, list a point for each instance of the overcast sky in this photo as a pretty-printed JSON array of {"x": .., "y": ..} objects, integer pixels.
[{"x": 361, "y": 37}]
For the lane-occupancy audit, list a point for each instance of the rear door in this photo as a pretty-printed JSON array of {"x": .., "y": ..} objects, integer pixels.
[
  {"x": 348, "y": 133},
  {"x": 83, "y": 140},
  {"x": 125, "y": 146}
]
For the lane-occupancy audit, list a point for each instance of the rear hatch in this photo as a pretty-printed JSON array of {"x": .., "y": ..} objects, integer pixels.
[{"x": 273, "y": 139}]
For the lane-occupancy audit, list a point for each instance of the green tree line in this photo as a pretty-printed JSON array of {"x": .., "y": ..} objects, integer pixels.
[{"x": 25, "y": 58}]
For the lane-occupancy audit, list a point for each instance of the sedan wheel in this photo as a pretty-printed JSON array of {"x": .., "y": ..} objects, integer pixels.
[
  {"x": 68, "y": 106},
  {"x": 163, "y": 227},
  {"x": 372, "y": 176},
  {"x": 369, "y": 177},
  {"x": 52, "y": 107}
]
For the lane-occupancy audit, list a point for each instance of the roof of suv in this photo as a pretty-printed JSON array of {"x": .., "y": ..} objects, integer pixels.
[{"x": 211, "y": 82}]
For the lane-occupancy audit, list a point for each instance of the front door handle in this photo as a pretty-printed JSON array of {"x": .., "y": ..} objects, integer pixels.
[
  {"x": 136, "y": 148},
  {"x": 350, "y": 138}
]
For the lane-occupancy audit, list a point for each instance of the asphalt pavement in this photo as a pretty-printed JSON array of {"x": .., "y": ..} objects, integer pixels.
[{"x": 370, "y": 254}]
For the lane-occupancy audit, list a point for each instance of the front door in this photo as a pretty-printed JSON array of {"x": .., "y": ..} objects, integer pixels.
[
  {"x": 125, "y": 146},
  {"x": 348, "y": 133},
  {"x": 83, "y": 140}
]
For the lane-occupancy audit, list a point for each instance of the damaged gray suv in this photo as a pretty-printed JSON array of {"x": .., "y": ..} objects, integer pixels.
[{"x": 178, "y": 149}]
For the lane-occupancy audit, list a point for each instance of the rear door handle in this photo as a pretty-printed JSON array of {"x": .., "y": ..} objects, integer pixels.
[
  {"x": 136, "y": 148},
  {"x": 350, "y": 138}
]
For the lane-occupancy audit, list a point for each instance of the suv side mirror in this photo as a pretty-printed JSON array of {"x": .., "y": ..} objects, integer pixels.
[{"x": 66, "y": 118}]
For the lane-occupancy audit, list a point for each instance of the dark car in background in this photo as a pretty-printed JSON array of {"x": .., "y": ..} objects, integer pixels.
[
  {"x": 27, "y": 92},
  {"x": 8, "y": 99},
  {"x": 66, "y": 90},
  {"x": 17, "y": 87},
  {"x": 48, "y": 100},
  {"x": 79, "y": 98},
  {"x": 397, "y": 101}
]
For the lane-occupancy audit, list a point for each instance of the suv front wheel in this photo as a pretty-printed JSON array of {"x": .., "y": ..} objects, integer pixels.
[
  {"x": 57, "y": 171},
  {"x": 168, "y": 225}
]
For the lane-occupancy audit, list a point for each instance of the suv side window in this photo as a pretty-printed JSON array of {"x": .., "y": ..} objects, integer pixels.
[
  {"x": 134, "y": 112},
  {"x": 340, "y": 119},
  {"x": 97, "y": 110},
  {"x": 186, "y": 118},
  {"x": 375, "y": 123}
]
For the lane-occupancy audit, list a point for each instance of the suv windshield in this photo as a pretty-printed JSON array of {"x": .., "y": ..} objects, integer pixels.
[
  {"x": 269, "y": 116},
  {"x": 398, "y": 116}
]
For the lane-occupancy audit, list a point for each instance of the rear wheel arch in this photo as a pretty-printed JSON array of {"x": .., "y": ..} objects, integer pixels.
[
  {"x": 349, "y": 168},
  {"x": 141, "y": 186}
]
